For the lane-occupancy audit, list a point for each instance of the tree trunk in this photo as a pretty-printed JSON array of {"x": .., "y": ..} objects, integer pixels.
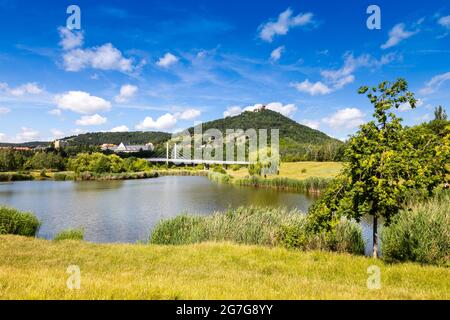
[{"x": 375, "y": 237}]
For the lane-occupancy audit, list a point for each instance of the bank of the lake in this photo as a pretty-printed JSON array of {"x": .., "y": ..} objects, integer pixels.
[{"x": 36, "y": 269}]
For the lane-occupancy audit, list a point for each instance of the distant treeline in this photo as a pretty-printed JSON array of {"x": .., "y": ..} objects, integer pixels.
[{"x": 99, "y": 138}]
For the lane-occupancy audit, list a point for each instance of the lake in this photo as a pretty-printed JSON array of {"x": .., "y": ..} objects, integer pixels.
[{"x": 127, "y": 211}]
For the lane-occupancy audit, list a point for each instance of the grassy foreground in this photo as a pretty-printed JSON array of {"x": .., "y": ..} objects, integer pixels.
[{"x": 36, "y": 269}]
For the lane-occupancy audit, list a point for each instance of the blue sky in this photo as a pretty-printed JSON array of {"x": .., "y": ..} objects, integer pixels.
[{"x": 161, "y": 65}]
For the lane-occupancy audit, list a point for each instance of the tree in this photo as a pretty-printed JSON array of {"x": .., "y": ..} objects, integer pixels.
[
  {"x": 440, "y": 114},
  {"x": 386, "y": 163}
]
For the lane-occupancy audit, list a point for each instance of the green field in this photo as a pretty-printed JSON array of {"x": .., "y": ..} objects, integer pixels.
[
  {"x": 36, "y": 269},
  {"x": 293, "y": 170}
]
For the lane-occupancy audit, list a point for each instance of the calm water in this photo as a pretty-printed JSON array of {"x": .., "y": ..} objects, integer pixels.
[{"x": 126, "y": 211}]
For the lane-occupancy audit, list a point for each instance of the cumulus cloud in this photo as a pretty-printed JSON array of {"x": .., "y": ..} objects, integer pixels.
[
  {"x": 287, "y": 110},
  {"x": 435, "y": 83},
  {"x": 26, "y": 135},
  {"x": 4, "y": 110},
  {"x": 166, "y": 121},
  {"x": 335, "y": 79},
  {"x": 167, "y": 60},
  {"x": 105, "y": 57},
  {"x": 93, "y": 120},
  {"x": 232, "y": 111},
  {"x": 188, "y": 114},
  {"x": 70, "y": 39},
  {"x": 276, "y": 54},
  {"x": 2, "y": 137},
  {"x": 311, "y": 123},
  {"x": 313, "y": 89},
  {"x": 444, "y": 21},
  {"x": 30, "y": 88},
  {"x": 57, "y": 134},
  {"x": 122, "y": 128},
  {"x": 281, "y": 26},
  {"x": 396, "y": 35},
  {"x": 127, "y": 92},
  {"x": 81, "y": 102},
  {"x": 348, "y": 118}
]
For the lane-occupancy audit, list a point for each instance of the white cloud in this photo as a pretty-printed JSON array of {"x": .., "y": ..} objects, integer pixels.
[
  {"x": 276, "y": 54},
  {"x": 166, "y": 121},
  {"x": 57, "y": 134},
  {"x": 406, "y": 106},
  {"x": 348, "y": 118},
  {"x": 396, "y": 35},
  {"x": 122, "y": 128},
  {"x": 335, "y": 79},
  {"x": 30, "y": 88},
  {"x": 2, "y": 137},
  {"x": 78, "y": 131},
  {"x": 127, "y": 92},
  {"x": 311, "y": 123},
  {"x": 81, "y": 102},
  {"x": 93, "y": 120},
  {"x": 105, "y": 57},
  {"x": 70, "y": 39},
  {"x": 167, "y": 60},
  {"x": 313, "y": 89},
  {"x": 4, "y": 110},
  {"x": 27, "y": 134},
  {"x": 287, "y": 110},
  {"x": 55, "y": 112},
  {"x": 444, "y": 21},
  {"x": 434, "y": 84},
  {"x": 282, "y": 25},
  {"x": 232, "y": 111},
  {"x": 189, "y": 114}
]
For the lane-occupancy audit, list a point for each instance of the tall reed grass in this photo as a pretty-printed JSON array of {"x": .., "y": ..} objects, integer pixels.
[
  {"x": 309, "y": 185},
  {"x": 70, "y": 234},
  {"x": 420, "y": 233},
  {"x": 13, "y": 221},
  {"x": 258, "y": 226}
]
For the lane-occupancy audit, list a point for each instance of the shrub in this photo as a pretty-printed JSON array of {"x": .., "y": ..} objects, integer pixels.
[
  {"x": 70, "y": 234},
  {"x": 219, "y": 177},
  {"x": 15, "y": 177},
  {"x": 420, "y": 233},
  {"x": 62, "y": 176},
  {"x": 13, "y": 221},
  {"x": 303, "y": 170},
  {"x": 345, "y": 237}
]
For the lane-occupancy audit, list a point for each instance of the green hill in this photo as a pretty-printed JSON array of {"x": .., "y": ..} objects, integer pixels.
[
  {"x": 268, "y": 119},
  {"x": 297, "y": 142}
]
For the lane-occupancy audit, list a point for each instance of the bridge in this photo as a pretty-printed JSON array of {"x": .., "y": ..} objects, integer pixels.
[{"x": 175, "y": 156}]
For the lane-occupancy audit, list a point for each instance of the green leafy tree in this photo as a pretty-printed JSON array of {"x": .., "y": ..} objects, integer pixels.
[{"x": 386, "y": 164}]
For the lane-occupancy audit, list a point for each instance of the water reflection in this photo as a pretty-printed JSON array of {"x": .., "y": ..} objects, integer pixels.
[{"x": 126, "y": 211}]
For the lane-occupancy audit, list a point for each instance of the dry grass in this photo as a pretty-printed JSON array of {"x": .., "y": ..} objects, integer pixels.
[
  {"x": 36, "y": 269},
  {"x": 293, "y": 170}
]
